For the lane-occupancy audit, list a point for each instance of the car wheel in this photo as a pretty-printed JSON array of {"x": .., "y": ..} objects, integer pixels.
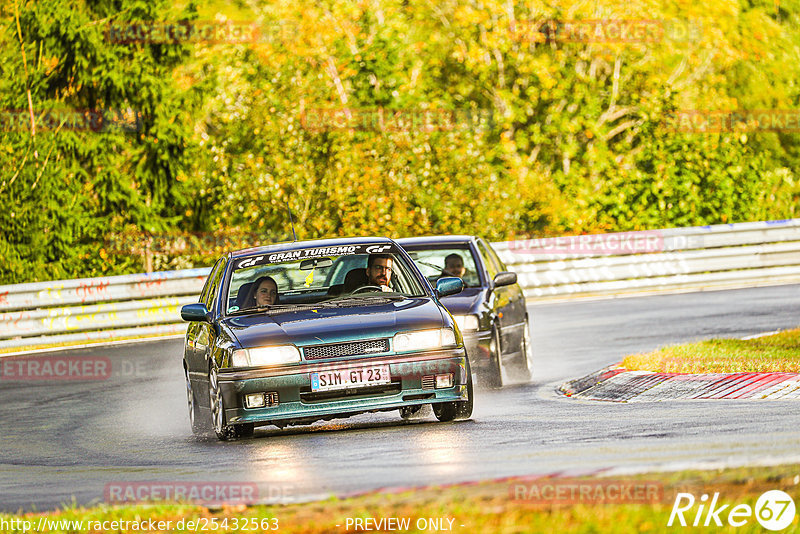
[
  {"x": 199, "y": 426},
  {"x": 525, "y": 364},
  {"x": 217, "y": 403},
  {"x": 448, "y": 411},
  {"x": 493, "y": 377},
  {"x": 224, "y": 431}
]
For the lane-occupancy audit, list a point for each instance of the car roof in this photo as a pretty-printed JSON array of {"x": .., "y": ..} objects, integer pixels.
[
  {"x": 315, "y": 243},
  {"x": 436, "y": 240}
]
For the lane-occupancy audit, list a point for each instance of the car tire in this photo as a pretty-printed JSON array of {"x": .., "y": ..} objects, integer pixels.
[
  {"x": 525, "y": 366},
  {"x": 222, "y": 430},
  {"x": 493, "y": 377},
  {"x": 198, "y": 423},
  {"x": 449, "y": 411}
]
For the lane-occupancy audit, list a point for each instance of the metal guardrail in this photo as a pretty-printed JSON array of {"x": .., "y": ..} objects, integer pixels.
[
  {"x": 43, "y": 312},
  {"x": 697, "y": 258},
  {"x": 107, "y": 289}
]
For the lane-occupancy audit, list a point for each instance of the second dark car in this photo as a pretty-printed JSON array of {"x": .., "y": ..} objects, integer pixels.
[{"x": 490, "y": 311}]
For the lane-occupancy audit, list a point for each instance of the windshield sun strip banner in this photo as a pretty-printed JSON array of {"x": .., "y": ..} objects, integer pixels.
[{"x": 315, "y": 252}]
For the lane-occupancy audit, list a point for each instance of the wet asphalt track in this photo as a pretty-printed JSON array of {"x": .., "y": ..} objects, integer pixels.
[{"x": 66, "y": 440}]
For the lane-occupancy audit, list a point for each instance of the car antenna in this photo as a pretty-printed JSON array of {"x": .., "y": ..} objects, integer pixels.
[{"x": 291, "y": 221}]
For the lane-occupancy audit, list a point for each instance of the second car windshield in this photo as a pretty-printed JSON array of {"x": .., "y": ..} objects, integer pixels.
[
  {"x": 343, "y": 280},
  {"x": 446, "y": 261}
]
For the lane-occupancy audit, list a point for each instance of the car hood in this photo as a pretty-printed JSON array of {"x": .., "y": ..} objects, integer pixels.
[
  {"x": 332, "y": 325},
  {"x": 465, "y": 302}
]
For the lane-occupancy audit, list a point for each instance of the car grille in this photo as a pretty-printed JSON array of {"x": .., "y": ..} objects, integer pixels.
[
  {"x": 429, "y": 382},
  {"x": 318, "y": 352}
]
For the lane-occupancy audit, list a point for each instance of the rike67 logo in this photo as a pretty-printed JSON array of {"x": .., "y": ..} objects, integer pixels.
[{"x": 774, "y": 510}]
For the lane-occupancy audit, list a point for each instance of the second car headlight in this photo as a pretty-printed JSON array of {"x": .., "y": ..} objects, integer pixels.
[
  {"x": 265, "y": 356},
  {"x": 424, "y": 340},
  {"x": 466, "y": 322}
]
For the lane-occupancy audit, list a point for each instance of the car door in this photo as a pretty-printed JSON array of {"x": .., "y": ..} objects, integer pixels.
[
  {"x": 193, "y": 329},
  {"x": 519, "y": 308},
  {"x": 206, "y": 333},
  {"x": 504, "y": 303},
  {"x": 493, "y": 296}
]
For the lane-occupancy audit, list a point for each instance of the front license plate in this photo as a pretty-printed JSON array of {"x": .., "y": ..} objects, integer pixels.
[{"x": 356, "y": 377}]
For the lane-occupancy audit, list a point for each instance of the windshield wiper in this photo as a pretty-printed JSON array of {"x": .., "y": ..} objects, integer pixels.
[
  {"x": 346, "y": 300},
  {"x": 362, "y": 299},
  {"x": 278, "y": 308}
]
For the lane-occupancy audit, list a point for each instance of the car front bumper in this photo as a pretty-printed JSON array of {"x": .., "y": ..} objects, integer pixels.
[{"x": 296, "y": 403}]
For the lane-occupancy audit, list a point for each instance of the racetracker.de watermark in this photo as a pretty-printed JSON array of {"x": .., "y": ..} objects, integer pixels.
[
  {"x": 52, "y": 367},
  {"x": 612, "y": 31},
  {"x": 203, "y": 493},
  {"x": 89, "y": 120},
  {"x": 195, "y": 31},
  {"x": 567, "y": 491},
  {"x": 616, "y": 243},
  {"x": 400, "y": 120},
  {"x": 743, "y": 120}
]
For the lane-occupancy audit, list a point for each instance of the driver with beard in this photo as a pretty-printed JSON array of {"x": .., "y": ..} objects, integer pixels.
[{"x": 379, "y": 271}]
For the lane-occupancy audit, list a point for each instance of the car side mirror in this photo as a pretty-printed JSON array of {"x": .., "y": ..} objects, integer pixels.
[
  {"x": 449, "y": 285},
  {"x": 505, "y": 278},
  {"x": 196, "y": 312}
]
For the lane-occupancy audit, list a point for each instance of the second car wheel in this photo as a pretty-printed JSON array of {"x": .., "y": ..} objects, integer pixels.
[
  {"x": 493, "y": 377},
  {"x": 524, "y": 365}
]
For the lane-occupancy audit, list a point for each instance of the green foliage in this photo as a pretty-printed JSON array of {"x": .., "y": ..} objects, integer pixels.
[
  {"x": 529, "y": 136},
  {"x": 78, "y": 172}
]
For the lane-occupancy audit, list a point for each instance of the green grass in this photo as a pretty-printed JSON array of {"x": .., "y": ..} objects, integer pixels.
[
  {"x": 779, "y": 352},
  {"x": 485, "y": 507}
]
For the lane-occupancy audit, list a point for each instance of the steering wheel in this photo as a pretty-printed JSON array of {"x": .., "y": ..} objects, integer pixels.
[{"x": 364, "y": 289}]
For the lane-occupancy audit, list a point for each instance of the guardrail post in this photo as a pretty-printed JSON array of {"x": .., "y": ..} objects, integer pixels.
[{"x": 148, "y": 256}]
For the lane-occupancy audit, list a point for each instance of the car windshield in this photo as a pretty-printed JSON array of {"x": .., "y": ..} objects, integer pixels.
[
  {"x": 436, "y": 261},
  {"x": 336, "y": 276}
]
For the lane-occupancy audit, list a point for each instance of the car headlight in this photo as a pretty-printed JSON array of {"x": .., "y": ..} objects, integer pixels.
[
  {"x": 265, "y": 356},
  {"x": 424, "y": 340},
  {"x": 466, "y": 322}
]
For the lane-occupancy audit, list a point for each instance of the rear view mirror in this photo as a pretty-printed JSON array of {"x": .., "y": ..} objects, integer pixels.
[
  {"x": 195, "y": 312},
  {"x": 449, "y": 286},
  {"x": 306, "y": 265},
  {"x": 505, "y": 278}
]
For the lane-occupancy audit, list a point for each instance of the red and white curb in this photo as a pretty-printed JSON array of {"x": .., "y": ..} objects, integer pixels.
[{"x": 621, "y": 385}]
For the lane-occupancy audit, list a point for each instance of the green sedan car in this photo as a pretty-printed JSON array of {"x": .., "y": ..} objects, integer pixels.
[{"x": 307, "y": 331}]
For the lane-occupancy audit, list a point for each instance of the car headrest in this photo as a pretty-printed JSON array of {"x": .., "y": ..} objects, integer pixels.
[
  {"x": 241, "y": 296},
  {"x": 355, "y": 279}
]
